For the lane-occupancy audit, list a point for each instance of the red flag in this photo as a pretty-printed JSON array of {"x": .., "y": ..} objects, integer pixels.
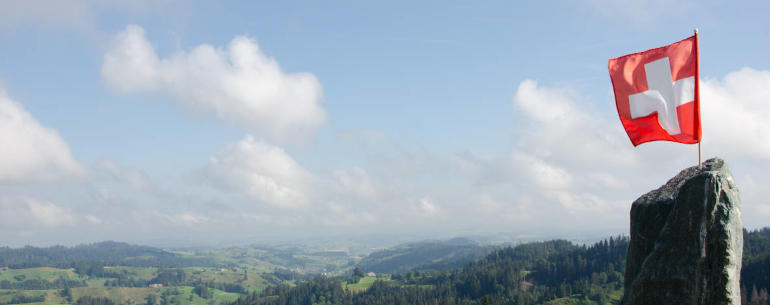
[{"x": 656, "y": 92}]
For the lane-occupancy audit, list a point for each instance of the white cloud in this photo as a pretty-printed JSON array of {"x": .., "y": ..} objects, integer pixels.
[
  {"x": 580, "y": 201},
  {"x": 607, "y": 180},
  {"x": 262, "y": 171},
  {"x": 555, "y": 128},
  {"x": 575, "y": 157},
  {"x": 355, "y": 181},
  {"x": 579, "y": 158},
  {"x": 134, "y": 178},
  {"x": 340, "y": 215},
  {"x": 735, "y": 114},
  {"x": 30, "y": 151},
  {"x": 187, "y": 219},
  {"x": 93, "y": 219},
  {"x": 238, "y": 84},
  {"x": 489, "y": 203},
  {"x": 427, "y": 207},
  {"x": 553, "y": 105},
  {"x": 558, "y": 133},
  {"x": 544, "y": 175},
  {"x": 48, "y": 214}
]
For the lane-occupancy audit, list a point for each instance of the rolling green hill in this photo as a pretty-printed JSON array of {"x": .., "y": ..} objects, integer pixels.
[
  {"x": 106, "y": 253},
  {"x": 536, "y": 273},
  {"x": 550, "y": 272},
  {"x": 426, "y": 255}
]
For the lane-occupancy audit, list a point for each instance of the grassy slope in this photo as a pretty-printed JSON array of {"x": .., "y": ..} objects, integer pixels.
[
  {"x": 139, "y": 295},
  {"x": 364, "y": 283},
  {"x": 42, "y": 273},
  {"x": 136, "y": 295},
  {"x": 426, "y": 255},
  {"x": 6, "y": 295}
]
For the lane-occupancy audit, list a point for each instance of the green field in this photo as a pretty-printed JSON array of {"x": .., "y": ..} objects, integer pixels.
[
  {"x": 364, "y": 283},
  {"x": 250, "y": 278},
  {"x": 174, "y": 295},
  {"x": 143, "y": 273},
  {"x": 126, "y": 295},
  {"x": 241, "y": 269},
  {"x": 7, "y": 295},
  {"x": 42, "y": 273}
]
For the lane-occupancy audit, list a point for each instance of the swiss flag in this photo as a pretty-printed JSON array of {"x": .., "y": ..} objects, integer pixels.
[{"x": 656, "y": 92}]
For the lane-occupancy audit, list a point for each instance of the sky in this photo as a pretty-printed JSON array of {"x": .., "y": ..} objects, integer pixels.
[{"x": 238, "y": 122}]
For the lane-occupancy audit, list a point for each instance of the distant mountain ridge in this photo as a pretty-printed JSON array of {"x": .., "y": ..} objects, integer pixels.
[
  {"x": 425, "y": 255},
  {"x": 104, "y": 253}
]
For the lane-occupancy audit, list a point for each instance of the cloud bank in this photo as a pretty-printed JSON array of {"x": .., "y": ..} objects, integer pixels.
[{"x": 570, "y": 169}]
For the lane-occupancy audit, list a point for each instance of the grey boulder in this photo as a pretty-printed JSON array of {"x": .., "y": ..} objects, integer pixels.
[{"x": 686, "y": 241}]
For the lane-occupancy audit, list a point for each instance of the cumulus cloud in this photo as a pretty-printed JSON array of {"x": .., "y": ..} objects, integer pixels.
[
  {"x": 134, "y": 178},
  {"x": 30, "y": 151},
  {"x": 187, "y": 219},
  {"x": 427, "y": 207},
  {"x": 48, "y": 214},
  {"x": 267, "y": 174},
  {"x": 735, "y": 112},
  {"x": 263, "y": 171},
  {"x": 544, "y": 175},
  {"x": 578, "y": 157},
  {"x": 554, "y": 126},
  {"x": 238, "y": 84},
  {"x": 583, "y": 202},
  {"x": 26, "y": 213},
  {"x": 339, "y": 215},
  {"x": 356, "y": 182},
  {"x": 93, "y": 219},
  {"x": 569, "y": 155}
]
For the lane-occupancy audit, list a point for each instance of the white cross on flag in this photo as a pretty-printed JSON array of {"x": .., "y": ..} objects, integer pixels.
[{"x": 656, "y": 92}]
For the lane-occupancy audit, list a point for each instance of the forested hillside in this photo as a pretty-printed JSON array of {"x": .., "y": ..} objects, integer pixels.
[
  {"x": 426, "y": 255},
  {"x": 104, "y": 253},
  {"x": 755, "y": 274},
  {"x": 552, "y": 272},
  {"x": 528, "y": 274}
]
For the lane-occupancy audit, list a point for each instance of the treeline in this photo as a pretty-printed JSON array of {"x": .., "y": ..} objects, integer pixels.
[
  {"x": 426, "y": 255},
  {"x": 534, "y": 273},
  {"x": 528, "y": 274},
  {"x": 99, "y": 254},
  {"x": 755, "y": 274},
  {"x": 89, "y": 300},
  {"x": 36, "y": 284},
  {"x": 24, "y": 299},
  {"x": 170, "y": 278}
]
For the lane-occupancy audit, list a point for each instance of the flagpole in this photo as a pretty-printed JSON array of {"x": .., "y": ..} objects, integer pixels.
[
  {"x": 699, "y": 156},
  {"x": 697, "y": 80}
]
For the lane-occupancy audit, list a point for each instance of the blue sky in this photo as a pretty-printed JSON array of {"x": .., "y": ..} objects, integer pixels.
[{"x": 239, "y": 122}]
